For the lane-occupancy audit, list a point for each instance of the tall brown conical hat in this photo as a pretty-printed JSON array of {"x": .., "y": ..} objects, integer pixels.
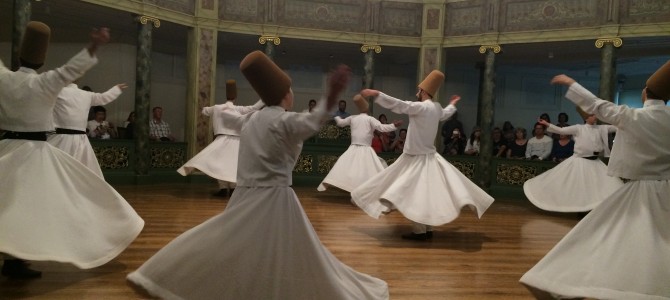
[
  {"x": 267, "y": 79},
  {"x": 35, "y": 43},
  {"x": 231, "y": 89},
  {"x": 432, "y": 82},
  {"x": 659, "y": 82},
  {"x": 361, "y": 103}
]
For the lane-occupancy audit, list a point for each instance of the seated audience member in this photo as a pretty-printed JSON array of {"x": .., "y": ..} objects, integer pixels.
[
  {"x": 311, "y": 105},
  {"x": 377, "y": 142},
  {"x": 399, "y": 143},
  {"x": 456, "y": 144},
  {"x": 472, "y": 145},
  {"x": 449, "y": 126},
  {"x": 499, "y": 143},
  {"x": 516, "y": 148},
  {"x": 159, "y": 130},
  {"x": 99, "y": 128},
  {"x": 562, "y": 122},
  {"x": 563, "y": 148},
  {"x": 508, "y": 131},
  {"x": 130, "y": 126},
  {"x": 539, "y": 146}
]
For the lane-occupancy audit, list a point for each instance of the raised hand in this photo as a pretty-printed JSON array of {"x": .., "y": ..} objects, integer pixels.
[
  {"x": 454, "y": 99},
  {"x": 99, "y": 37},
  {"x": 122, "y": 85},
  {"x": 369, "y": 93},
  {"x": 562, "y": 80},
  {"x": 337, "y": 82},
  {"x": 543, "y": 122},
  {"x": 397, "y": 123}
]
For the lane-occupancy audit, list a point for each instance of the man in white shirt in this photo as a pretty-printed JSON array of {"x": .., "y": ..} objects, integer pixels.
[
  {"x": 421, "y": 184},
  {"x": 70, "y": 113},
  {"x": 621, "y": 249},
  {"x": 539, "y": 146},
  {"x": 360, "y": 161},
  {"x": 219, "y": 159}
]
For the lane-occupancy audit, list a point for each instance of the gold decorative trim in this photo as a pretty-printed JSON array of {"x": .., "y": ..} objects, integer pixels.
[
  {"x": 616, "y": 41},
  {"x": 494, "y": 48},
  {"x": 366, "y": 47},
  {"x": 265, "y": 38},
  {"x": 155, "y": 21}
]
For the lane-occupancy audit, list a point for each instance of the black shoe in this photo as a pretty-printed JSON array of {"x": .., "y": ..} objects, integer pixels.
[
  {"x": 429, "y": 234},
  {"x": 415, "y": 236},
  {"x": 230, "y": 192},
  {"x": 18, "y": 269},
  {"x": 221, "y": 193}
]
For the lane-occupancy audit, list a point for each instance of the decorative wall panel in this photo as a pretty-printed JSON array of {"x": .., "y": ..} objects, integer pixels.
[
  {"x": 433, "y": 18},
  {"x": 464, "y": 18},
  {"x": 112, "y": 157},
  {"x": 205, "y": 74},
  {"x": 522, "y": 15},
  {"x": 344, "y": 15},
  {"x": 644, "y": 11},
  {"x": 242, "y": 10},
  {"x": 184, "y": 6},
  {"x": 398, "y": 18}
]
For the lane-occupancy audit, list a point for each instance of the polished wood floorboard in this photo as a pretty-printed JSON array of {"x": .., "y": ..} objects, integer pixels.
[{"x": 467, "y": 259}]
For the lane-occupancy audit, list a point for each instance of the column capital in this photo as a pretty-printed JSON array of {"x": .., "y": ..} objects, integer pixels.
[
  {"x": 367, "y": 47},
  {"x": 615, "y": 41},
  {"x": 144, "y": 19},
  {"x": 495, "y": 48},
  {"x": 265, "y": 38}
]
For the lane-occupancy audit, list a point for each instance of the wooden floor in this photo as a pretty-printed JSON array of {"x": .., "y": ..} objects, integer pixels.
[{"x": 467, "y": 259}]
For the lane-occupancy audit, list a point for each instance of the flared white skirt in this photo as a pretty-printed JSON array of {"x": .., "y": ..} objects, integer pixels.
[
  {"x": 54, "y": 208},
  {"x": 79, "y": 147},
  {"x": 261, "y": 247},
  {"x": 620, "y": 250},
  {"x": 424, "y": 188},
  {"x": 353, "y": 167},
  {"x": 575, "y": 185},
  {"x": 218, "y": 160}
]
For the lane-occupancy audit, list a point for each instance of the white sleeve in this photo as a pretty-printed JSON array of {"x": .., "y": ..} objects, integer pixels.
[
  {"x": 382, "y": 127},
  {"x": 604, "y": 110},
  {"x": 447, "y": 112},
  {"x": 399, "y": 106},
  {"x": 106, "y": 97},
  {"x": 301, "y": 126},
  {"x": 52, "y": 82},
  {"x": 568, "y": 130},
  {"x": 343, "y": 122},
  {"x": 243, "y": 110}
]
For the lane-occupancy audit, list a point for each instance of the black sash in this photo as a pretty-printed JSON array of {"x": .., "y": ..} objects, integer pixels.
[
  {"x": 31, "y": 136},
  {"x": 69, "y": 131},
  {"x": 593, "y": 157}
]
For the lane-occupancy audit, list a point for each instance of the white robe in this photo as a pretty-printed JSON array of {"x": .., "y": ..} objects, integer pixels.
[
  {"x": 262, "y": 246},
  {"x": 71, "y": 112},
  {"x": 576, "y": 184},
  {"x": 621, "y": 249},
  {"x": 74, "y": 216},
  {"x": 421, "y": 184},
  {"x": 359, "y": 162},
  {"x": 219, "y": 159}
]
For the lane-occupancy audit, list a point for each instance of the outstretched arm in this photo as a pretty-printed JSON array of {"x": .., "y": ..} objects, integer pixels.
[
  {"x": 569, "y": 130},
  {"x": 604, "y": 110},
  {"x": 243, "y": 110},
  {"x": 108, "y": 96},
  {"x": 395, "y": 105},
  {"x": 343, "y": 122}
]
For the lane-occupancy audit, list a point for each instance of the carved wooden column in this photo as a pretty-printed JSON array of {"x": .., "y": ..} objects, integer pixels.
[
  {"x": 608, "y": 66},
  {"x": 270, "y": 43},
  {"x": 369, "y": 69},
  {"x": 485, "y": 115},
  {"x": 143, "y": 92}
]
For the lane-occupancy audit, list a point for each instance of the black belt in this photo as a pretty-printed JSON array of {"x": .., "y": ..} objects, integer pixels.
[
  {"x": 69, "y": 131},
  {"x": 31, "y": 136},
  {"x": 593, "y": 157}
]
